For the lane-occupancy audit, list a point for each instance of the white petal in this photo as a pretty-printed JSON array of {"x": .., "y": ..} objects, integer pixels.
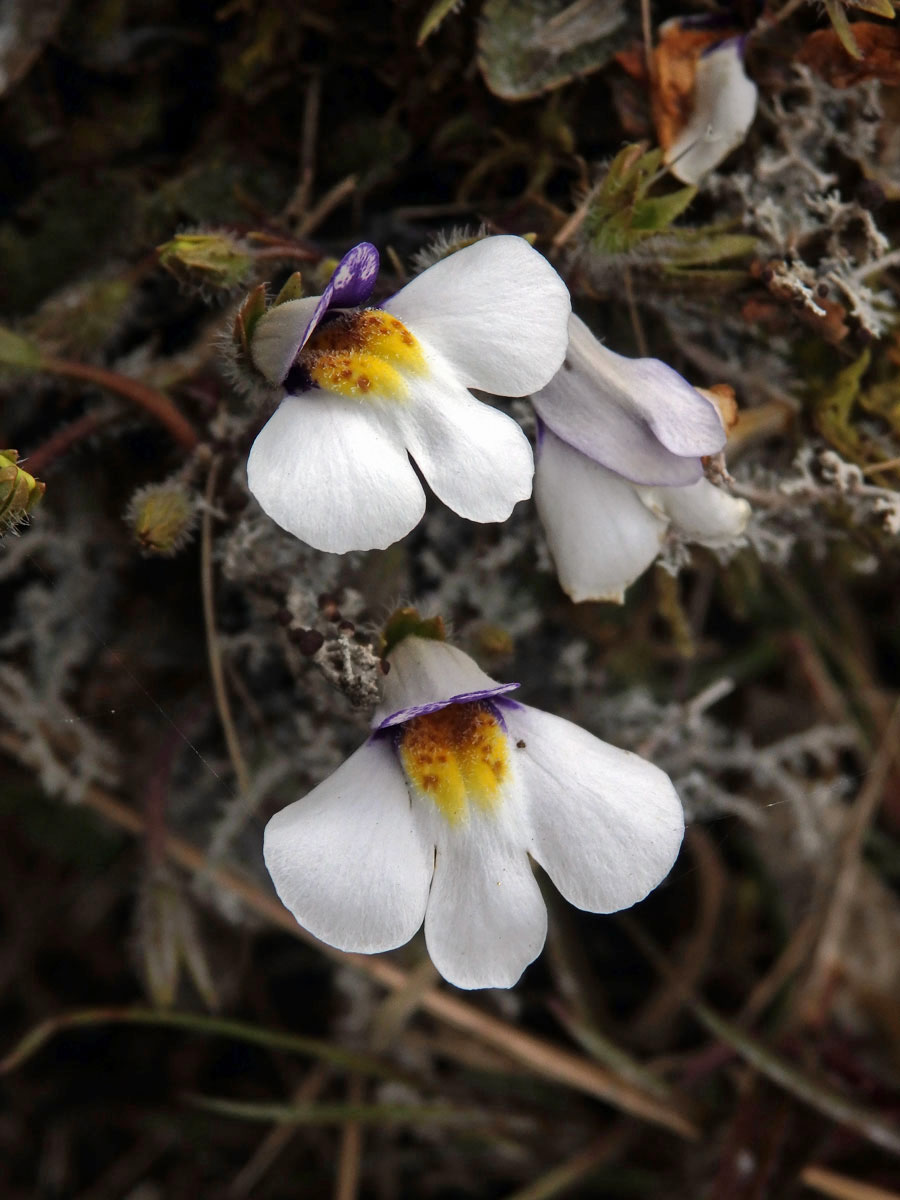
[
  {"x": 606, "y": 825},
  {"x": 724, "y": 108},
  {"x": 702, "y": 513},
  {"x": 486, "y": 920},
  {"x": 475, "y": 458},
  {"x": 279, "y": 335},
  {"x": 426, "y": 674},
  {"x": 334, "y": 472},
  {"x": 349, "y": 860},
  {"x": 496, "y": 310},
  {"x": 636, "y": 416},
  {"x": 601, "y": 536}
]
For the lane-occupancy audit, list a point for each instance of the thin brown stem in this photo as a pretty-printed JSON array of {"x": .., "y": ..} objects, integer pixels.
[
  {"x": 843, "y": 891},
  {"x": 350, "y": 1156},
  {"x": 64, "y": 439},
  {"x": 213, "y": 649},
  {"x": 157, "y": 404}
]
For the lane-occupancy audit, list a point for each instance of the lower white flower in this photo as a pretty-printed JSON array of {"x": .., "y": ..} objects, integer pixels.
[
  {"x": 435, "y": 816},
  {"x": 366, "y": 388},
  {"x": 619, "y": 462}
]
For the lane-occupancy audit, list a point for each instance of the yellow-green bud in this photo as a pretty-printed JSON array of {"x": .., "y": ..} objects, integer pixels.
[
  {"x": 216, "y": 261},
  {"x": 162, "y": 517},
  {"x": 18, "y": 352},
  {"x": 19, "y": 491}
]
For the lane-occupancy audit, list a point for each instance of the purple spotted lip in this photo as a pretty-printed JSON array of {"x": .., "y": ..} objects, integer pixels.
[
  {"x": 419, "y": 710},
  {"x": 350, "y": 285}
]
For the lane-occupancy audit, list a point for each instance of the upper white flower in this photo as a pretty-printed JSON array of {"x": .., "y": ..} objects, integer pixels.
[
  {"x": 367, "y": 388},
  {"x": 723, "y": 110},
  {"x": 619, "y": 459},
  {"x": 435, "y": 816}
]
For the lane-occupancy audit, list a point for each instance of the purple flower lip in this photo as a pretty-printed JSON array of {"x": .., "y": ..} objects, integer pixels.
[
  {"x": 350, "y": 285},
  {"x": 419, "y": 710}
]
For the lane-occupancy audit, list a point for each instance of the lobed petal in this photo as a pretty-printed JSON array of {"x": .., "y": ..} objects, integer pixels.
[
  {"x": 636, "y": 416},
  {"x": 349, "y": 860},
  {"x": 486, "y": 920},
  {"x": 601, "y": 536},
  {"x": 426, "y": 675},
  {"x": 334, "y": 473},
  {"x": 724, "y": 108},
  {"x": 496, "y": 310},
  {"x": 702, "y": 513},
  {"x": 606, "y": 825},
  {"x": 475, "y": 458}
]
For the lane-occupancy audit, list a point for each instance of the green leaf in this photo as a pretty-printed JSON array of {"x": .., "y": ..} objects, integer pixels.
[
  {"x": 658, "y": 212},
  {"x": 842, "y": 27},
  {"x": 526, "y": 47}
]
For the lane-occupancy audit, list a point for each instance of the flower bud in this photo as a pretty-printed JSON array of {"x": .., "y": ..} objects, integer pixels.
[
  {"x": 19, "y": 491},
  {"x": 162, "y": 517},
  {"x": 215, "y": 261}
]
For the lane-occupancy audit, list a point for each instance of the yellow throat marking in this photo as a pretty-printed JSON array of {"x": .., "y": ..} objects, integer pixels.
[
  {"x": 363, "y": 355},
  {"x": 456, "y": 756}
]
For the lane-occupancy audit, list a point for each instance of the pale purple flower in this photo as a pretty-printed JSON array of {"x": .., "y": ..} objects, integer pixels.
[{"x": 619, "y": 460}]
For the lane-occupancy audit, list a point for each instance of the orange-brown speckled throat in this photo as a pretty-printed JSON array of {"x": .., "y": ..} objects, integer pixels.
[
  {"x": 456, "y": 756},
  {"x": 363, "y": 355}
]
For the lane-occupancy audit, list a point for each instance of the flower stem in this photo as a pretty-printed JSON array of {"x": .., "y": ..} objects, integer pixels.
[{"x": 213, "y": 649}]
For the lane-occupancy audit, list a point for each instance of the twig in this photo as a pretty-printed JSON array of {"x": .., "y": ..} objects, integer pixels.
[
  {"x": 570, "y": 227},
  {"x": 543, "y": 1058},
  {"x": 577, "y": 1168},
  {"x": 813, "y": 1092},
  {"x": 350, "y": 1156},
  {"x": 841, "y": 1187},
  {"x": 157, "y": 404},
  {"x": 213, "y": 649},
  {"x": 277, "y": 1138},
  {"x": 834, "y": 923},
  {"x": 64, "y": 439},
  {"x": 330, "y": 201},
  {"x": 639, "y": 335}
]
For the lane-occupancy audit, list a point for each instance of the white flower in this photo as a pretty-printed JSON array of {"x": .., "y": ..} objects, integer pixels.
[
  {"x": 435, "y": 816},
  {"x": 367, "y": 388},
  {"x": 723, "y": 111},
  {"x": 619, "y": 460}
]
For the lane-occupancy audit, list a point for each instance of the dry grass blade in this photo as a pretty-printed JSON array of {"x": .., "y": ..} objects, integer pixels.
[
  {"x": 840, "y": 1187},
  {"x": 543, "y": 1058},
  {"x": 836, "y": 918},
  {"x": 196, "y": 1023}
]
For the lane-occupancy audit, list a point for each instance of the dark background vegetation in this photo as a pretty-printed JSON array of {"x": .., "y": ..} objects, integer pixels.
[{"x": 739, "y": 1034}]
